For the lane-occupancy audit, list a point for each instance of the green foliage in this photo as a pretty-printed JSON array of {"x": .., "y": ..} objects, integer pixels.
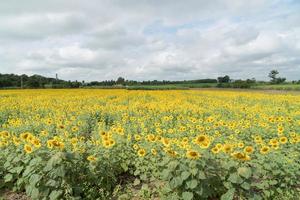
[
  {"x": 274, "y": 79},
  {"x": 35, "y": 81}
]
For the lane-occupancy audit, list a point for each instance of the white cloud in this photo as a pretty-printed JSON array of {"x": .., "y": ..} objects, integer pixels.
[{"x": 142, "y": 39}]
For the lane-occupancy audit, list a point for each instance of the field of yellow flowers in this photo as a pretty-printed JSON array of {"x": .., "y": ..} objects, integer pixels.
[{"x": 76, "y": 144}]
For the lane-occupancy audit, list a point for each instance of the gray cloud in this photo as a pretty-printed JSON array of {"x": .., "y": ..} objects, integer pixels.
[{"x": 141, "y": 39}]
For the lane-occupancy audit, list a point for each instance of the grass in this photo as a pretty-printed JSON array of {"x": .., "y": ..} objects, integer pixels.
[
  {"x": 182, "y": 86},
  {"x": 278, "y": 87},
  {"x": 186, "y": 86}
]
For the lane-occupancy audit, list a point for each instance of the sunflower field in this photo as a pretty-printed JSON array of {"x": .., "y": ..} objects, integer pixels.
[{"x": 183, "y": 144}]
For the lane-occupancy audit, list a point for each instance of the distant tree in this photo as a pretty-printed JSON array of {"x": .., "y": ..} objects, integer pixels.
[
  {"x": 33, "y": 83},
  {"x": 225, "y": 79},
  {"x": 273, "y": 76},
  {"x": 120, "y": 81}
]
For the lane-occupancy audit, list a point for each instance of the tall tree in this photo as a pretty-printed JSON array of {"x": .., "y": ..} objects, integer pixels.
[
  {"x": 121, "y": 81},
  {"x": 273, "y": 76},
  {"x": 225, "y": 79}
]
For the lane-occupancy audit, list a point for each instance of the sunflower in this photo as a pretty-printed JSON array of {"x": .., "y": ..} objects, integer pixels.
[
  {"x": 112, "y": 142},
  {"x": 283, "y": 140},
  {"x": 280, "y": 129},
  {"x": 75, "y": 128},
  {"x": 44, "y": 133},
  {"x": 106, "y": 144},
  {"x": 204, "y": 145},
  {"x": 102, "y": 133},
  {"x": 105, "y": 138},
  {"x": 141, "y": 152},
  {"x": 135, "y": 146},
  {"x": 219, "y": 146},
  {"x": 201, "y": 139},
  {"x": 258, "y": 139},
  {"x": 61, "y": 126},
  {"x": 215, "y": 150},
  {"x": 24, "y": 136},
  {"x": 171, "y": 152},
  {"x": 264, "y": 150},
  {"x": 151, "y": 138},
  {"x": 166, "y": 142},
  {"x": 248, "y": 149},
  {"x": 227, "y": 148},
  {"x": 36, "y": 143},
  {"x": 185, "y": 140},
  {"x": 4, "y": 134},
  {"x": 153, "y": 151},
  {"x": 16, "y": 141},
  {"x": 137, "y": 137},
  {"x": 120, "y": 131},
  {"x": 74, "y": 140},
  {"x": 192, "y": 154},
  {"x": 275, "y": 146},
  {"x": 241, "y": 145},
  {"x": 50, "y": 144},
  {"x": 273, "y": 142},
  {"x": 241, "y": 156},
  {"x": 28, "y": 149},
  {"x": 91, "y": 158}
]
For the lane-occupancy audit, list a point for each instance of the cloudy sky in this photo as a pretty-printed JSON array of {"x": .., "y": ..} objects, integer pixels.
[{"x": 150, "y": 39}]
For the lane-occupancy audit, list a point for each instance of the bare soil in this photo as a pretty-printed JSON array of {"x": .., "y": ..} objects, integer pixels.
[{"x": 8, "y": 195}]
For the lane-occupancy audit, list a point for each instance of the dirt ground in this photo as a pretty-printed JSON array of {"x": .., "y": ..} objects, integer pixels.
[{"x": 7, "y": 195}]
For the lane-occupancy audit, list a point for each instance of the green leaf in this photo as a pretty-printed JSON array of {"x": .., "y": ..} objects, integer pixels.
[
  {"x": 17, "y": 170},
  {"x": 273, "y": 182},
  {"x": 60, "y": 171},
  {"x": 267, "y": 193},
  {"x": 267, "y": 166},
  {"x": 175, "y": 182},
  {"x": 55, "y": 194},
  {"x": 34, "y": 179},
  {"x": 194, "y": 171},
  {"x": 192, "y": 184},
  {"x": 54, "y": 160},
  {"x": 35, "y": 161},
  {"x": 165, "y": 174},
  {"x": 185, "y": 175},
  {"x": 234, "y": 178},
  {"x": 228, "y": 184},
  {"x": 245, "y": 185},
  {"x": 136, "y": 182},
  {"x": 201, "y": 175},
  {"x": 228, "y": 195},
  {"x": 28, "y": 171},
  {"x": 51, "y": 183},
  {"x": 124, "y": 167},
  {"x": 143, "y": 177},
  {"x": 136, "y": 172},
  {"x": 8, "y": 177},
  {"x": 255, "y": 197},
  {"x": 34, "y": 193},
  {"x": 173, "y": 164},
  {"x": 244, "y": 172},
  {"x": 229, "y": 165},
  {"x": 187, "y": 196}
]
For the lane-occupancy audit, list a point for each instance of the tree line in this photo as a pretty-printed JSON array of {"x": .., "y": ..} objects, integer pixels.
[
  {"x": 38, "y": 81},
  {"x": 122, "y": 81},
  {"x": 35, "y": 81}
]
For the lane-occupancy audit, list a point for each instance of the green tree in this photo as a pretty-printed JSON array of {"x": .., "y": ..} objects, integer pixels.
[
  {"x": 225, "y": 79},
  {"x": 273, "y": 76},
  {"x": 120, "y": 81}
]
